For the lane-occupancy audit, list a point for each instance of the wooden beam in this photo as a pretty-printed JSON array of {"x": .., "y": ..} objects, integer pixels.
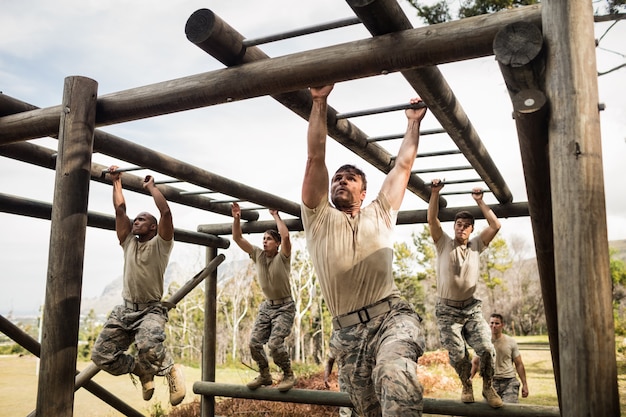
[
  {"x": 518, "y": 48},
  {"x": 404, "y": 218},
  {"x": 59, "y": 347},
  {"x": 432, "y": 45},
  {"x": 44, "y": 157},
  {"x": 128, "y": 151},
  {"x": 341, "y": 399},
  {"x": 41, "y": 210},
  {"x": 581, "y": 252},
  {"x": 385, "y": 16},
  {"x": 213, "y": 35},
  {"x": 209, "y": 345}
]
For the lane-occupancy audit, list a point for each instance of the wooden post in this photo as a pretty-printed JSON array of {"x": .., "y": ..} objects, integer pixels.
[
  {"x": 209, "y": 346},
  {"x": 55, "y": 390},
  {"x": 518, "y": 48},
  {"x": 581, "y": 255}
]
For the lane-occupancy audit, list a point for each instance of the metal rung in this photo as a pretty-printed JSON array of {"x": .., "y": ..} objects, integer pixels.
[
  {"x": 439, "y": 153},
  {"x": 462, "y": 192},
  {"x": 253, "y": 208},
  {"x": 401, "y": 135},
  {"x": 427, "y": 170},
  {"x": 168, "y": 181},
  {"x": 404, "y": 106},
  {"x": 445, "y": 182},
  {"x": 106, "y": 171},
  {"x": 228, "y": 201},
  {"x": 304, "y": 31},
  {"x": 196, "y": 192}
]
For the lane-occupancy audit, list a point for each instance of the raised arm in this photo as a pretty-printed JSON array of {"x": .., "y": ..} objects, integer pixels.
[
  {"x": 315, "y": 183},
  {"x": 123, "y": 225},
  {"x": 521, "y": 371},
  {"x": 166, "y": 223},
  {"x": 237, "y": 235},
  {"x": 395, "y": 183},
  {"x": 432, "y": 214},
  {"x": 493, "y": 227},
  {"x": 285, "y": 240}
]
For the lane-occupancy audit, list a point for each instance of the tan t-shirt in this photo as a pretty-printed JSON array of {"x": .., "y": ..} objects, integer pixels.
[
  {"x": 506, "y": 351},
  {"x": 272, "y": 273},
  {"x": 458, "y": 267},
  {"x": 352, "y": 256},
  {"x": 144, "y": 266}
]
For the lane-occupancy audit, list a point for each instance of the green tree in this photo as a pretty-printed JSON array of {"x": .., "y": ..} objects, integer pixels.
[
  {"x": 87, "y": 335},
  {"x": 496, "y": 260},
  {"x": 617, "y": 268}
]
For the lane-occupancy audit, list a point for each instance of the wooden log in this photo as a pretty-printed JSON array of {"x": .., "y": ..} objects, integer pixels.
[
  {"x": 530, "y": 109},
  {"x": 211, "y": 34},
  {"x": 407, "y": 217},
  {"x": 30, "y": 344},
  {"x": 125, "y": 150},
  {"x": 41, "y": 210},
  {"x": 55, "y": 390},
  {"x": 341, "y": 399},
  {"x": 45, "y": 157},
  {"x": 518, "y": 48},
  {"x": 209, "y": 346},
  {"x": 448, "y": 42},
  {"x": 581, "y": 253},
  {"x": 385, "y": 16}
]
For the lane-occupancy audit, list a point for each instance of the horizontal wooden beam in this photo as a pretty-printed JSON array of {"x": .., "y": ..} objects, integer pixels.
[
  {"x": 428, "y": 46},
  {"x": 341, "y": 399},
  {"x": 404, "y": 218},
  {"x": 41, "y": 210}
]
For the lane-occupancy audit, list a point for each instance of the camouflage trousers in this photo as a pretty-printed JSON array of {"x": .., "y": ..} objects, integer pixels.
[
  {"x": 144, "y": 329},
  {"x": 459, "y": 327},
  {"x": 378, "y": 362},
  {"x": 507, "y": 389},
  {"x": 272, "y": 325}
]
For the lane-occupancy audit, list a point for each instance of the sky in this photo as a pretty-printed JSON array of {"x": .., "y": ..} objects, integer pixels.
[{"x": 257, "y": 142}]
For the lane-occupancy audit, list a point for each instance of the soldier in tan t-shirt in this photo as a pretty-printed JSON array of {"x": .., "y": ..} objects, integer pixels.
[
  {"x": 141, "y": 318},
  {"x": 459, "y": 314},
  {"x": 274, "y": 320},
  {"x": 376, "y": 337}
]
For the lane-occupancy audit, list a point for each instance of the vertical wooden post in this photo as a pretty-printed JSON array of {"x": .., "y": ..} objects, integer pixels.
[
  {"x": 583, "y": 283},
  {"x": 207, "y": 403},
  {"x": 55, "y": 392}
]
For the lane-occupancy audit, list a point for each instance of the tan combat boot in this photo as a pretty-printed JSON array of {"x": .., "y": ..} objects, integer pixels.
[
  {"x": 467, "y": 396},
  {"x": 490, "y": 394},
  {"x": 147, "y": 382},
  {"x": 176, "y": 382},
  {"x": 288, "y": 381},
  {"x": 264, "y": 379}
]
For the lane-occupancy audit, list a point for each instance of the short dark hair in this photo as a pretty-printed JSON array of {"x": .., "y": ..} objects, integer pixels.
[
  {"x": 354, "y": 169},
  {"x": 466, "y": 215},
  {"x": 274, "y": 234},
  {"x": 498, "y": 316}
]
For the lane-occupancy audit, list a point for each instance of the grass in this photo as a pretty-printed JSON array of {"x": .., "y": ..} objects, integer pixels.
[{"x": 18, "y": 385}]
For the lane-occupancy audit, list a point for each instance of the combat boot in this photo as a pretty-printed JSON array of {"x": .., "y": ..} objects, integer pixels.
[
  {"x": 492, "y": 397},
  {"x": 264, "y": 379},
  {"x": 467, "y": 396},
  {"x": 176, "y": 382},
  {"x": 147, "y": 382},
  {"x": 288, "y": 381}
]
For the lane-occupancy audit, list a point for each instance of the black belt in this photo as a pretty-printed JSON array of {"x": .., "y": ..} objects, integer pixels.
[
  {"x": 362, "y": 315},
  {"x": 139, "y": 306},
  {"x": 280, "y": 301},
  {"x": 457, "y": 304}
]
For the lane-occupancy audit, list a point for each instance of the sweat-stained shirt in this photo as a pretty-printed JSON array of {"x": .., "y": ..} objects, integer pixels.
[
  {"x": 272, "y": 273},
  {"x": 353, "y": 257},
  {"x": 458, "y": 267}
]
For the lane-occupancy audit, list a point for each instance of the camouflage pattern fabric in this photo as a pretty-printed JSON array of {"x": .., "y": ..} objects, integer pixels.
[
  {"x": 459, "y": 327},
  {"x": 272, "y": 325},
  {"x": 378, "y": 362},
  {"x": 507, "y": 389},
  {"x": 124, "y": 327}
]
